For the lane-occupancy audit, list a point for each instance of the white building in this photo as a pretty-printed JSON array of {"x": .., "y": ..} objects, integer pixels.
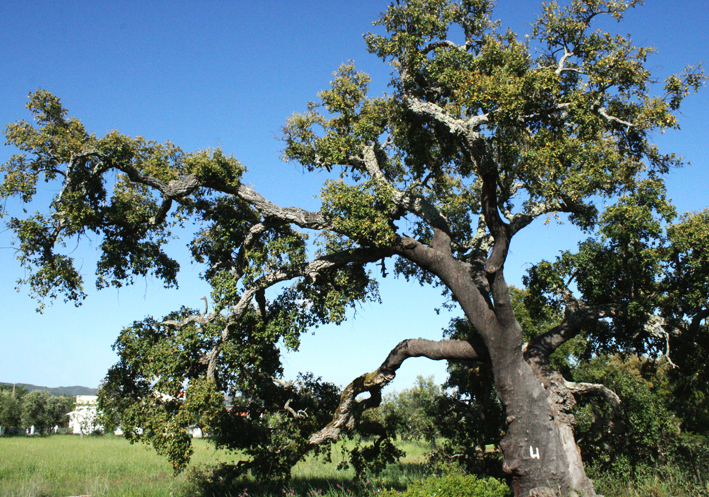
[{"x": 83, "y": 420}]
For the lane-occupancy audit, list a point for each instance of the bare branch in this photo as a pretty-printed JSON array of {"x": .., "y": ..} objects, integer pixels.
[
  {"x": 479, "y": 245},
  {"x": 445, "y": 43},
  {"x": 283, "y": 383},
  {"x": 596, "y": 389},
  {"x": 612, "y": 119},
  {"x": 655, "y": 326},
  {"x": 562, "y": 61},
  {"x": 369, "y": 157},
  {"x": 410, "y": 200},
  {"x": 417, "y": 204},
  {"x": 576, "y": 316},
  {"x": 300, "y": 414},
  {"x": 500, "y": 231},
  {"x": 160, "y": 215},
  {"x": 295, "y": 215},
  {"x": 460, "y": 127},
  {"x": 535, "y": 209}
]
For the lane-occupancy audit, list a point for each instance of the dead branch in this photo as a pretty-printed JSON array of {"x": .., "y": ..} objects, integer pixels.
[
  {"x": 300, "y": 414},
  {"x": 599, "y": 390}
]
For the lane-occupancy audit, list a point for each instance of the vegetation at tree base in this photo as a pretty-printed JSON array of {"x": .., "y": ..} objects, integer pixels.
[
  {"x": 454, "y": 485},
  {"x": 22, "y": 409},
  {"x": 643, "y": 442},
  {"x": 484, "y": 133}
]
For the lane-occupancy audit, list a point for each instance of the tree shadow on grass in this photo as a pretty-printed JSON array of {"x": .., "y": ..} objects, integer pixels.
[{"x": 219, "y": 481}]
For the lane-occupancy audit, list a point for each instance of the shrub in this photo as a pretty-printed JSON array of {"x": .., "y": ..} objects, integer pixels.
[{"x": 454, "y": 485}]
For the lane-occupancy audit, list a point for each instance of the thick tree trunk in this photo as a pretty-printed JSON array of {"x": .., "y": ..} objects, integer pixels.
[
  {"x": 540, "y": 453},
  {"x": 534, "y": 455}
]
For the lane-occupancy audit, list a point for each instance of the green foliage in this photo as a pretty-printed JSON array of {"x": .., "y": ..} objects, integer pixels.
[
  {"x": 361, "y": 212},
  {"x": 455, "y": 485},
  {"x": 372, "y": 459},
  {"x": 644, "y": 432},
  {"x": 351, "y": 120},
  {"x": 646, "y": 441},
  {"x": 410, "y": 413},
  {"x": 624, "y": 268},
  {"x": 39, "y": 409},
  {"x": 10, "y": 409},
  {"x": 66, "y": 156},
  {"x": 156, "y": 400}
]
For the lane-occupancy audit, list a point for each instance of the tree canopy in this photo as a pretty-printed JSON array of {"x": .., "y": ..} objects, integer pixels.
[{"x": 483, "y": 133}]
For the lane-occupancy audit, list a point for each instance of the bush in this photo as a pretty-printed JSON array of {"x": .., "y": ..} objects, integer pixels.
[{"x": 454, "y": 485}]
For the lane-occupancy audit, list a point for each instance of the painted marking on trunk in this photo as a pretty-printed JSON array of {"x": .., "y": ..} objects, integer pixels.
[{"x": 532, "y": 453}]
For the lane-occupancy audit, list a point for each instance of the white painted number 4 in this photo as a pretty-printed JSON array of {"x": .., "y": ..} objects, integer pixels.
[{"x": 532, "y": 453}]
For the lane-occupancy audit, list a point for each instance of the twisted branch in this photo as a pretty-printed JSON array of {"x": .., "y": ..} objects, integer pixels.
[{"x": 350, "y": 409}]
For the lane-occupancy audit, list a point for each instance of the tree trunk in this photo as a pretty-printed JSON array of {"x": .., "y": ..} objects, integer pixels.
[
  {"x": 540, "y": 453},
  {"x": 541, "y": 457},
  {"x": 534, "y": 457}
]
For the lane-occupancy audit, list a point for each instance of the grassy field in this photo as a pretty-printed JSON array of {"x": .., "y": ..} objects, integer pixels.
[{"x": 66, "y": 465}]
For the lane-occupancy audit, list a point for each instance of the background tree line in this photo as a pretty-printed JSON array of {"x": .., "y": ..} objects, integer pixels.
[{"x": 22, "y": 409}]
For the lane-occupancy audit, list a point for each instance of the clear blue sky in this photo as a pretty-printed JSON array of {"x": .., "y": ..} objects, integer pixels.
[{"x": 227, "y": 74}]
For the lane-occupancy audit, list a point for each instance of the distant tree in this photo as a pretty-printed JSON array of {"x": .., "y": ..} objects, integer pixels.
[
  {"x": 44, "y": 410},
  {"x": 9, "y": 387},
  {"x": 411, "y": 412},
  {"x": 58, "y": 408},
  {"x": 10, "y": 408},
  {"x": 483, "y": 133},
  {"x": 35, "y": 411}
]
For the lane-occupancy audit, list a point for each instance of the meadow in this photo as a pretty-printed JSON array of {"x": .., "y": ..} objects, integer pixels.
[{"x": 109, "y": 466}]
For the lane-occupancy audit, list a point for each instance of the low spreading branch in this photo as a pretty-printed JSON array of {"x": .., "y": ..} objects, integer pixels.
[{"x": 350, "y": 409}]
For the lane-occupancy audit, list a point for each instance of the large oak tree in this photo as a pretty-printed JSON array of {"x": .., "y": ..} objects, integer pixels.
[{"x": 483, "y": 133}]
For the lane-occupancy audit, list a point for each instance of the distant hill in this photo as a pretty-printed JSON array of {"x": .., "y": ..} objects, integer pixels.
[{"x": 70, "y": 391}]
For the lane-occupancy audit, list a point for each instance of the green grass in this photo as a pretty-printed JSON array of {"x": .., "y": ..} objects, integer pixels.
[
  {"x": 67, "y": 465},
  {"x": 64, "y": 465},
  {"x": 108, "y": 466}
]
